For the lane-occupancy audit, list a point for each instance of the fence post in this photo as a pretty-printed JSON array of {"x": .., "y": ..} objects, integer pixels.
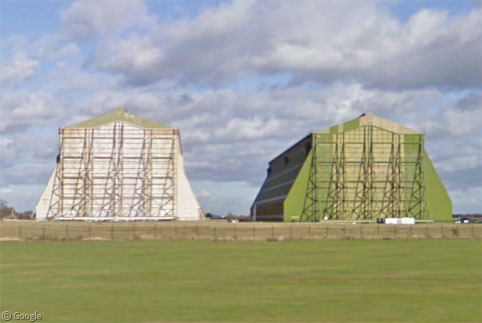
[
  {"x": 344, "y": 232},
  {"x": 472, "y": 230},
  {"x": 326, "y": 232},
  {"x": 112, "y": 232},
  {"x": 361, "y": 231},
  {"x": 426, "y": 231}
]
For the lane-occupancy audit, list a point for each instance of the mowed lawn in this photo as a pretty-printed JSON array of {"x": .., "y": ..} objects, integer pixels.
[{"x": 197, "y": 281}]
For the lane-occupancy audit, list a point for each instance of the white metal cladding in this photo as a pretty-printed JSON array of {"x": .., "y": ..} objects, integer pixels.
[{"x": 119, "y": 171}]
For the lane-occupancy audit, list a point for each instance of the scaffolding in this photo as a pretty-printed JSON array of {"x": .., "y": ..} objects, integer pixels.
[
  {"x": 115, "y": 172},
  {"x": 365, "y": 173}
]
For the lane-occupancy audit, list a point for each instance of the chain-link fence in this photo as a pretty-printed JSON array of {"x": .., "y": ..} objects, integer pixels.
[{"x": 210, "y": 230}]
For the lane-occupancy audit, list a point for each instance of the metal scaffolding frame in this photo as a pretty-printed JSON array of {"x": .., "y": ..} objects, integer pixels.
[
  {"x": 365, "y": 173},
  {"x": 116, "y": 171}
]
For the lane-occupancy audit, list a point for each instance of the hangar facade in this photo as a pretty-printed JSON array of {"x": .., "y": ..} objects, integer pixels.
[{"x": 118, "y": 167}]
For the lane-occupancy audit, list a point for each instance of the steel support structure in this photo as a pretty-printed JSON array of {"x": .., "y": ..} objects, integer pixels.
[
  {"x": 115, "y": 172},
  {"x": 366, "y": 173}
]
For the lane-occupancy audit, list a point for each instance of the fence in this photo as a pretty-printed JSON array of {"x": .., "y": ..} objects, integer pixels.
[{"x": 222, "y": 231}]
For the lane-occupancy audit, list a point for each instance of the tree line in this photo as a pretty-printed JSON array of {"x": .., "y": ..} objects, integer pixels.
[{"x": 8, "y": 212}]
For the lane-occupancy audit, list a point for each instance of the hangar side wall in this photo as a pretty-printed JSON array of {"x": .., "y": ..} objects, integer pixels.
[
  {"x": 282, "y": 174},
  {"x": 47, "y": 198},
  {"x": 188, "y": 208},
  {"x": 439, "y": 205},
  {"x": 319, "y": 176},
  {"x": 293, "y": 205}
]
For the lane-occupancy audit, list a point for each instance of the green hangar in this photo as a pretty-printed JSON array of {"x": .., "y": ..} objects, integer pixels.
[{"x": 363, "y": 169}]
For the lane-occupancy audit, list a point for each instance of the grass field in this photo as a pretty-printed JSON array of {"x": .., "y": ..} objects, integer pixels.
[{"x": 335, "y": 280}]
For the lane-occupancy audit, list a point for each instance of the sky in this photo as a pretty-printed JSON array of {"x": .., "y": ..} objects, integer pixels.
[{"x": 242, "y": 80}]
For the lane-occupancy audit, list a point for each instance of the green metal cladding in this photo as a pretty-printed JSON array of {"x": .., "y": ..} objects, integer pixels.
[{"x": 365, "y": 168}]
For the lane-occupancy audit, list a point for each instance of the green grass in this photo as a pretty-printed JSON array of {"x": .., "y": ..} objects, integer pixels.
[{"x": 349, "y": 281}]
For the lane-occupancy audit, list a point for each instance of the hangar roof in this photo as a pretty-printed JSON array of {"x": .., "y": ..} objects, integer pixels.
[
  {"x": 368, "y": 119},
  {"x": 117, "y": 115}
]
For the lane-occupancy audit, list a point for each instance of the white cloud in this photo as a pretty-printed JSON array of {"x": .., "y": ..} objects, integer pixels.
[
  {"x": 243, "y": 81},
  {"x": 53, "y": 47},
  {"x": 467, "y": 199},
  {"x": 86, "y": 18},
  {"x": 4, "y": 191},
  {"x": 21, "y": 110},
  {"x": 458, "y": 119},
  {"x": 222, "y": 198},
  {"x": 203, "y": 193},
  {"x": 312, "y": 41},
  {"x": 19, "y": 69}
]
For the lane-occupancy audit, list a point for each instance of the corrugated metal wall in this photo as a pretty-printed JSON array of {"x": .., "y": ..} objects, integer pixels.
[{"x": 282, "y": 173}]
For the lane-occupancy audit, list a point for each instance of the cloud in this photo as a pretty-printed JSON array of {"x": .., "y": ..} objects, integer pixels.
[
  {"x": 467, "y": 198},
  {"x": 312, "y": 41},
  {"x": 85, "y": 18},
  {"x": 243, "y": 81},
  {"x": 203, "y": 193},
  {"x": 17, "y": 70},
  {"x": 472, "y": 101},
  {"x": 222, "y": 198},
  {"x": 27, "y": 173},
  {"x": 22, "y": 110},
  {"x": 20, "y": 147},
  {"x": 53, "y": 47},
  {"x": 458, "y": 119}
]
